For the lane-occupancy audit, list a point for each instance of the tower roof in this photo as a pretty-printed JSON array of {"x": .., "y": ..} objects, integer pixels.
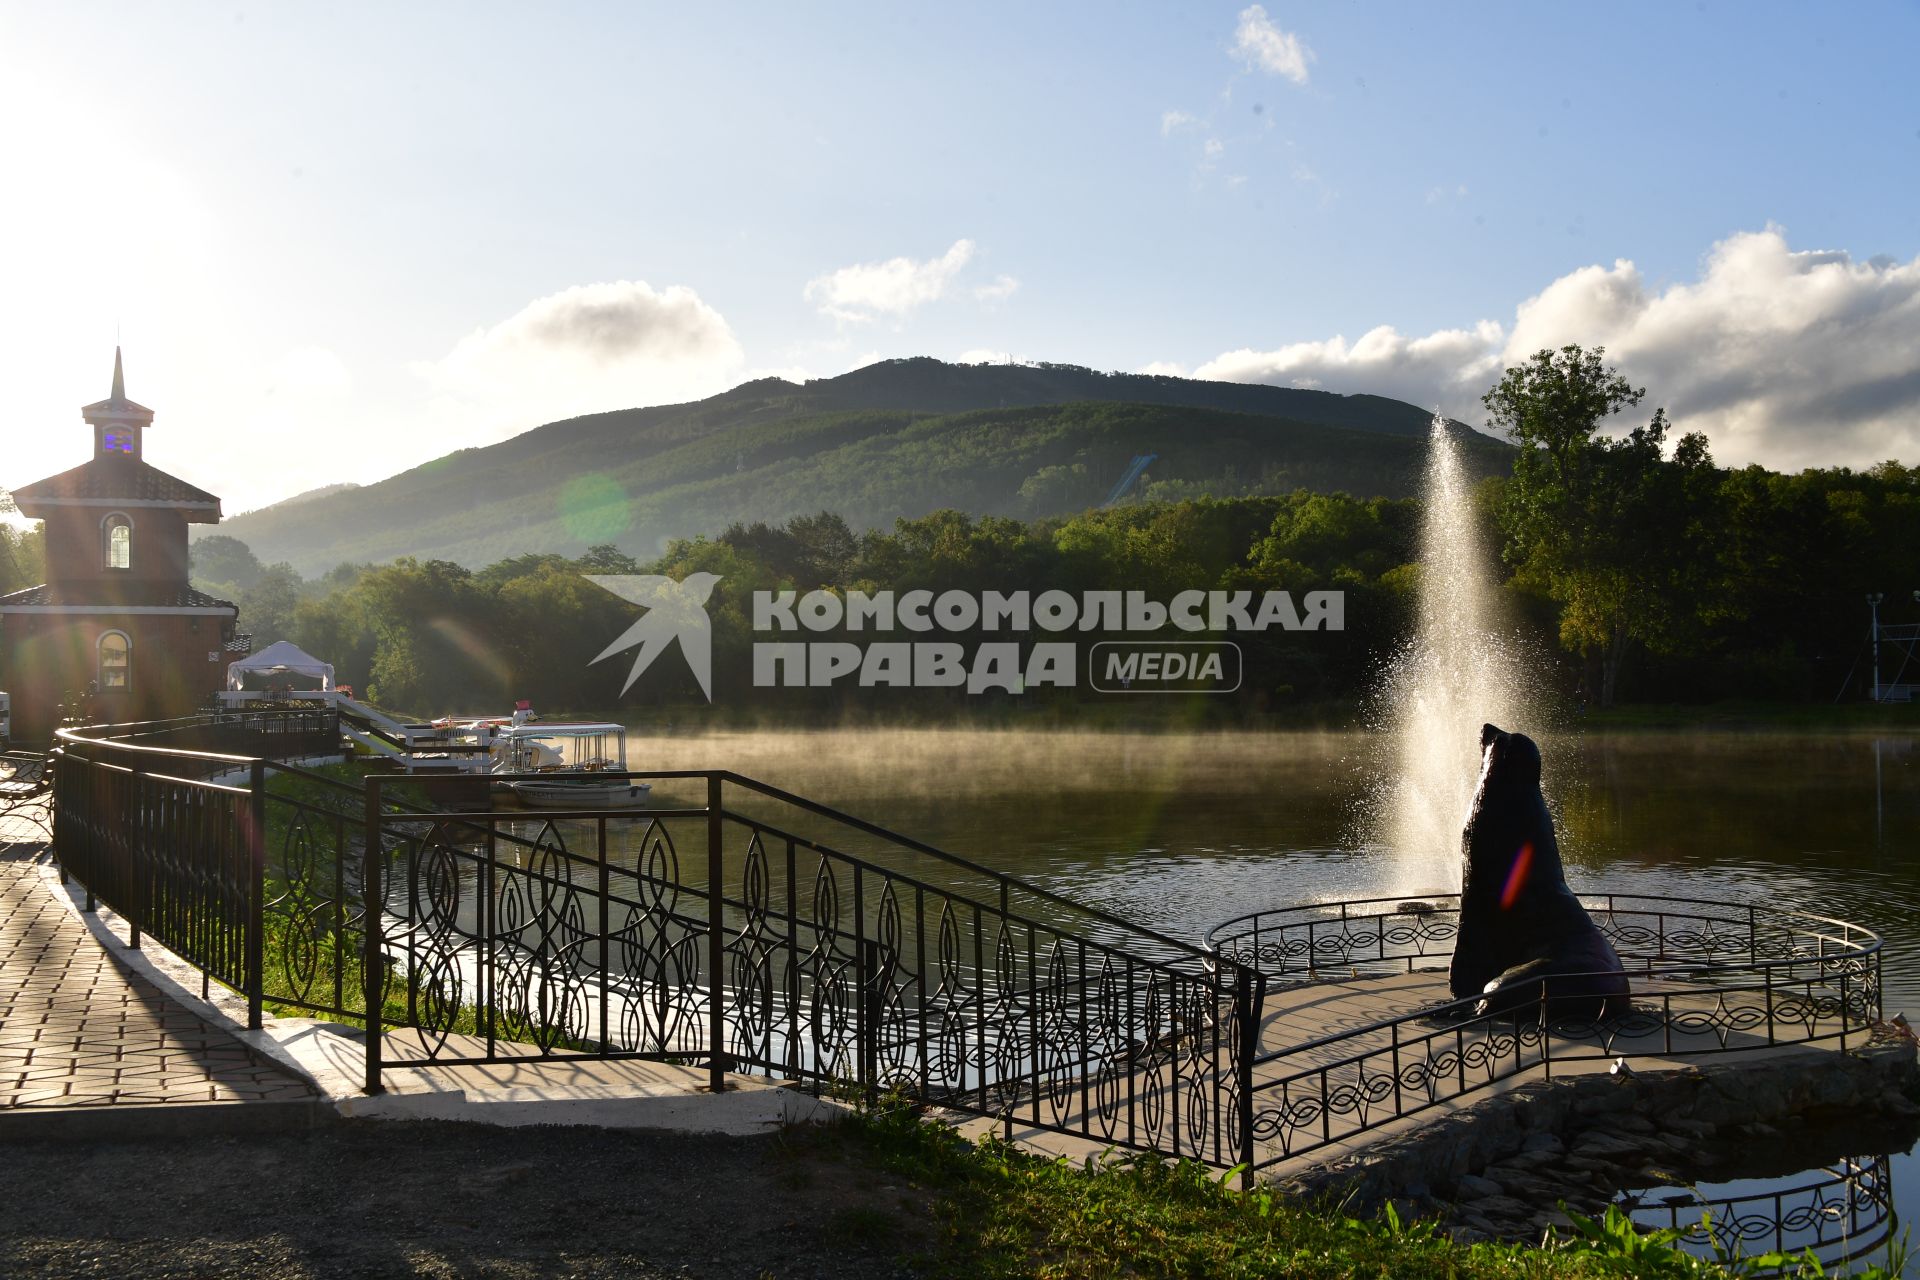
[
  {"x": 116, "y": 407},
  {"x": 117, "y": 482}
]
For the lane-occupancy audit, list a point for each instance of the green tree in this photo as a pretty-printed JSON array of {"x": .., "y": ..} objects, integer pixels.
[
  {"x": 1623, "y": 539},
  {"x": 604, "y": 557},
  {"x": 826, "y": 544},
  {"x": 1062, "y": 487},
  {"x": 22, "y": 551},
  {"x": 221, "y": 561},
  {"x": 435, "y": 641},
  {"x": 267, "y": 607}
]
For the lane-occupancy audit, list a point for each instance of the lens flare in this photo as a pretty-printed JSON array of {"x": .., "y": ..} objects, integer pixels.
[
  {"x": 1516, "y": 877},
  {"x": 594, "y": 508}
]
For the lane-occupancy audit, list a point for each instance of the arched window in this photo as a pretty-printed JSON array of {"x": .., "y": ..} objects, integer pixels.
[
  {"x": 117, "y": 532},
  {"x": 116, "y": 661}
]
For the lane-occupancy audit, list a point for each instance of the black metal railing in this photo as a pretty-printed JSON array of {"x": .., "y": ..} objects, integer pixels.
[
  {"x": 731, "y": 925},
  {"x": 24, "y": 785},
  {"x": 737, "y": 926},
  {"x": 215, "y": 742},
  {"x": 1708, "y": 977},
  {"x": 1840, "y": 1212},
  {"x": 176, "y": 855}
]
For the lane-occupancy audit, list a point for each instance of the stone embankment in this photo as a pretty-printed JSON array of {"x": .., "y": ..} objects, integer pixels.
[{"x": 1503, "y": 1167}]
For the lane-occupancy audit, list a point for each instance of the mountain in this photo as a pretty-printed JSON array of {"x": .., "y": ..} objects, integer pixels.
[
  {"x": 324, "y": 491},
  {"x": 902, "y": 437}
]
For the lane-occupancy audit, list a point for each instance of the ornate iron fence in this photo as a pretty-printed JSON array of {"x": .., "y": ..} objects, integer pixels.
[
  {"x": 722, "y": 932},
  {"x": 1708, "y": 977},
  {"x": 736, "y": 926},
  {"x": 741, "y": 927},
  {"x": 1841, "y": 1212}
]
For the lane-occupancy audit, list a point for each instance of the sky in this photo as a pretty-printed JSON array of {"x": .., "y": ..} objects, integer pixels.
[{"x": 338, "y": 241}]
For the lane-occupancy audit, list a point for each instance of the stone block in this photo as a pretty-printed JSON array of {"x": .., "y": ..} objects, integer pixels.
[{"x": 1475, "y": 1187}]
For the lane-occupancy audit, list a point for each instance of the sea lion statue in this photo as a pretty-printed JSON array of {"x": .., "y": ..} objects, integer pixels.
[{"x": 1520, "y": 926}]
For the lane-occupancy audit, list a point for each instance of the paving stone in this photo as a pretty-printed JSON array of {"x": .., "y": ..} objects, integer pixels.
[{"x": 77, "y": 1028}]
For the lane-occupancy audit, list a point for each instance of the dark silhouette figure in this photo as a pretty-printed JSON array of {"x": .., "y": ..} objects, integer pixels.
[{"x": 1520, "y": 926}]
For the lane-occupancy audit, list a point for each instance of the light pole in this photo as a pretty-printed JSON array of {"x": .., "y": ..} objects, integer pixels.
[{"x": 1873, "y": 605}]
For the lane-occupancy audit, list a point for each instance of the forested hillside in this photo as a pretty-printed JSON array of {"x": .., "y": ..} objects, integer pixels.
[{"x": 903, "y": 438}]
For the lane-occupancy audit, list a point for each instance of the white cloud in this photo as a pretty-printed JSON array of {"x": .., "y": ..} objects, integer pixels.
[
  {"x": 1172, "y": 120},
  {"x": 1259, "y": 43},
  {"x": 1785, "y": 358},
  {"x": 1456, "y": 362},
  {"x": 586, "y": 349},
  {"x": 1002, "y": 288},
  {"x": 1165, "y": 369},
  {"x": 1790, "y": 358},
  {"x": 1214, "y": 149},
  {"x": 895, "y": 288}
]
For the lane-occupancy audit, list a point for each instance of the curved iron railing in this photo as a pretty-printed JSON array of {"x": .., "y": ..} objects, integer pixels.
[
  {"x": 1841, "y": 1212},
  {"x": 742, "y": 927},
  {"x": 1708, "y": 977}
]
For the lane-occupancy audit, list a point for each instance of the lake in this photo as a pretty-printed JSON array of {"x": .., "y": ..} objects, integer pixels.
[{"x": 1180, "y": 831}]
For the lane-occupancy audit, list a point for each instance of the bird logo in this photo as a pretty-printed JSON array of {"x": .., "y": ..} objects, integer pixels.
[{"x": 674, "y": 611}]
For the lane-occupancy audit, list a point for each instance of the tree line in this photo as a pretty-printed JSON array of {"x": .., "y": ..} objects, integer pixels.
[{"x": 1647, "y": 572}]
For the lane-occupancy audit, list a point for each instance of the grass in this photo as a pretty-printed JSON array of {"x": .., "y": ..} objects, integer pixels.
[{"x": 1004, "y": 1213}]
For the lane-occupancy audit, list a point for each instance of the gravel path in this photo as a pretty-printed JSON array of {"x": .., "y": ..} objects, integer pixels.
[{"x": 442, "y": 1200}]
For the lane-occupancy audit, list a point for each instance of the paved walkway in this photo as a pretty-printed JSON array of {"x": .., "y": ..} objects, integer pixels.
[{"x": 79, "y": 1030}]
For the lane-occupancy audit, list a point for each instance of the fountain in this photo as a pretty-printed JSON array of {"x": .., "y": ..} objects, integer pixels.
[{"x": 1460, "y": 670}]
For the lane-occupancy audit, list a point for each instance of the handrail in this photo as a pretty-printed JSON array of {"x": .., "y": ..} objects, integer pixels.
[
  {"x": 1001, "y": 878},
  {"x": 887, "y": 963},
  {"x": 74, "y": 736},
  {"x": 1701, "y": 969},
  {"x": 1251, "y": 920},
  {"x": 1461, "y": 1008},
  {"x": 860, "y": 824}
]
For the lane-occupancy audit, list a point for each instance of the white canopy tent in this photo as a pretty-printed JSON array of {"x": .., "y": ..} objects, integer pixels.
[{"x": 283, "y": 657}]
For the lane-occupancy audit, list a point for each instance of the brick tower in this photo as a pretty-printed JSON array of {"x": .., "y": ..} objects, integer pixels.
[{"x": 116, "y": 623}]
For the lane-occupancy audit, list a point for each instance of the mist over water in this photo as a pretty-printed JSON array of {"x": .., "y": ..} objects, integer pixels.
[{"x": 1461, "y": 669}]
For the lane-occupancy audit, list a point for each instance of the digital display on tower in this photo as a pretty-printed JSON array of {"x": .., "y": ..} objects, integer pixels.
[{"x": 117, "y": 441}]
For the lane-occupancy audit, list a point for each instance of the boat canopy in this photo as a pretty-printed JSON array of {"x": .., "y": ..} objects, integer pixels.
[
  {"x": 580, "y": 745},
  {"x": 561, "y": 729}
]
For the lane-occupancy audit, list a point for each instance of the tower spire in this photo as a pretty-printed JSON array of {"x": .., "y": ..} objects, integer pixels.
[{"x": 117, "y": 421}]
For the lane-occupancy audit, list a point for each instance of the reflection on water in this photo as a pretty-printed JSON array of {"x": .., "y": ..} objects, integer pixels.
[
  {"x": 1840, "y": 1212},
  {"x": 1181, "y": 831}
]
